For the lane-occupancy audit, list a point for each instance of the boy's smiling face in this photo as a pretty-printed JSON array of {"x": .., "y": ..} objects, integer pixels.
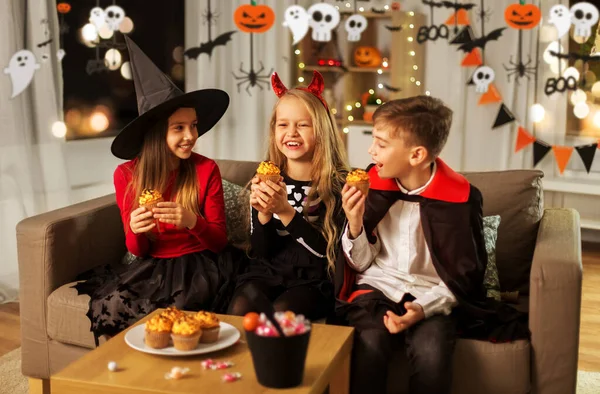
[{"x": 393, "y": 154}]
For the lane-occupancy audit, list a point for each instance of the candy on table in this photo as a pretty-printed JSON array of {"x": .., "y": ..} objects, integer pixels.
[
  {"x": 112, "y": 366},
  {"x": 176, "y": 373},
  {"x": 290, "y": 323},
  {"x": 215, "y": 365},
  {"x": 232, "y": 377}
]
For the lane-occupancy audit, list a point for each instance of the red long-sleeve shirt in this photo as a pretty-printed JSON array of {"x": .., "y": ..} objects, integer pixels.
[{"x": 210, "y": 231}]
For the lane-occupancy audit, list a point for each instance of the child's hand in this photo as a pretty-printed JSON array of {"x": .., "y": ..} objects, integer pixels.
[
  {"x": 260, "y": 200},
  {"x": 141, "y": 221},
  {"x": 353, "y": 202},
  {"x": 278, "y": 203},
  {"x": 395, "y": 324},
  {"x": 175, "y": 214}
]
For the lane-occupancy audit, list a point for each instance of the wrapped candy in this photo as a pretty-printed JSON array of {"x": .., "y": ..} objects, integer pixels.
[
  {"x": 176, "y": 373},
  {"x": 232, "y": 377},
  {"x": 290, "y": 323},
  {"x": 216, "y": 365}
]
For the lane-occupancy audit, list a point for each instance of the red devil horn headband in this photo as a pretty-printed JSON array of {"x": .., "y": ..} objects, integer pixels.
[{"x": 315, "y": 87}]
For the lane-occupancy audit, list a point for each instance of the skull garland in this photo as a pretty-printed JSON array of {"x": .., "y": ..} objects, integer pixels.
[
  {"x": 584, "y": 15},
  {"x": 355, "y": 25},
  {"x": 482, "y": 78},
  {"x": 114, "y": 15},
  {"x": 324, "y": 18}
]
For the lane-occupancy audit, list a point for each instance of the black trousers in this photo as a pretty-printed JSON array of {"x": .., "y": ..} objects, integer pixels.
[{"x": 429, "y": 347}]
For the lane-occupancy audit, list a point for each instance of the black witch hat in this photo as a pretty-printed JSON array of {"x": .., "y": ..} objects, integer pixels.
[{"x": 158, "y": 97}]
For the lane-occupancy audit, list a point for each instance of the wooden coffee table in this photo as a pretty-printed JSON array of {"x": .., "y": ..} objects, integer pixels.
[{"x": 327, "y": 363}]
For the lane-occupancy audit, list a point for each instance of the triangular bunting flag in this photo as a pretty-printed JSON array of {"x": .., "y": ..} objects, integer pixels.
[
  {"x": 523, "y": 139},
  {"x": 458, "y": 18},
  {"x": 491, "y": 96},
  {"x": 504, "y": 117},
  {"x": 464, "y": 36},
  {"x": 471, "y": 83},
  {"x": 472, "y": 59},
  {"x": 562, "y": 155},
  {"x": 587, "y": 152},
  {"x": 540, "y": 149}
]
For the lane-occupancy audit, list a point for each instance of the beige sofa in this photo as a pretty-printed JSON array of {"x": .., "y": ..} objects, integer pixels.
[{"x": 538, "y": 253}]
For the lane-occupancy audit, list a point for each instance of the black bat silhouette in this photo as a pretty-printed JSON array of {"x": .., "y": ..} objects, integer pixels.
[
  {"x": 458, "y": 6},
  {"x": 207, "y": 47},
  {"x": 375, "y": 10},
  {"x": 43, "y": 44},
  {"x": 95, "y": 66},
  {"x": 393, "y": 28},
  {"x": 482, "y": 41},
  {"x": 433, "y": 3},
  {"x": 391, "y": 88},
  {"x": 575, "y": 56}
]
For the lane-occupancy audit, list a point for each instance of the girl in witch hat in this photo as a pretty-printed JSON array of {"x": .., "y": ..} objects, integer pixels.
[
  {"x": 175, "y": 243},
  {"x": 295, "y": 223}
]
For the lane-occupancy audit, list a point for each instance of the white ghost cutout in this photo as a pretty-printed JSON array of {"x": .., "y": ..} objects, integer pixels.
[
  {"x": 483, "y": 77},
  {"x": 584, "y": 15},
  {"x": 97, "y": 17},
  {"x": 560, "y": 17},
  {"x": 296, "y": 19},
  {"x": 60, "y": 54},
  {"x": 21, "y": 68},
  {"x": 355, "y": 25},
  {"x": 114, "y": 15},
  {"x": 323, "y": 19}
]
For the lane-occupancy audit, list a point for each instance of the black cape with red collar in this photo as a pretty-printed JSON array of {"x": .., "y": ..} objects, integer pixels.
[{"x": 452, "y": 222}]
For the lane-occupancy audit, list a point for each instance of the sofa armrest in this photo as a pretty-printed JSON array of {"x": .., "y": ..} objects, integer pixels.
[
  {"x": 53, "y": 248},
  {"x": 555, "y": 302}
]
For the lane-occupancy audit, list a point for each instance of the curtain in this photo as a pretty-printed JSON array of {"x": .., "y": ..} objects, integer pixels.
[{"x": 33, "y": 177}]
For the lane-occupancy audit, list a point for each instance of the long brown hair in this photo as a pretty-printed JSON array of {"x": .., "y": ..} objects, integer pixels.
[
  {"x": 330, "y": 163},
  {"x": 151, "y": 171}
]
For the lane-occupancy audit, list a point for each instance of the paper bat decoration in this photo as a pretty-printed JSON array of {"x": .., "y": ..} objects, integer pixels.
[
  {"x": 458, "y": 6},
  {"x": 575, "y": 56},
  {"x": 482, "y": 41},
  {"x": 95, "y": 66},
  {"x": 375, "y": 10},
  {"x": 393, "y": 28},
  {"x": 433, "y": 3},
  {"x": 391, "y": 88},
  {"x": 208, "y": 47},
  {"x": 43, "y": 44}
]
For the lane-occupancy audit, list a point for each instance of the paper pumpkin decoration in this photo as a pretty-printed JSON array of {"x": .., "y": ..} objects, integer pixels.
[
  {"x": 63, "y": 8},
  {"x": 253, "y": 18},
  {"x": 367, "y": 57},
  {"x": 522, "y": 16}
]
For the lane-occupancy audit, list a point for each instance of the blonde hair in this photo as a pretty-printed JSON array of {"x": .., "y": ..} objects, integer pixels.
[
  {"x": 152, "y": 171},
  {"x": 330, "y": 163}
]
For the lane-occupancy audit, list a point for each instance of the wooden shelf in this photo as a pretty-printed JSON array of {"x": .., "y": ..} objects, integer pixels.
[
  {"x": 332, "y": 69},
  {"x": 368, "y": 14}
]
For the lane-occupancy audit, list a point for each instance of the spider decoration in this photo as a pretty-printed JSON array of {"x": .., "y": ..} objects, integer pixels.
[
  {"x": 252, "y": 78},
  {"x": 522, "y": 17},
  {"x": 207, "y": 47}
]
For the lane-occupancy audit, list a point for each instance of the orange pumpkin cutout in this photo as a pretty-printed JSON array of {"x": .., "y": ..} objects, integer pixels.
[
  {"x": 367, "y": 57},
  {"x": 63, "y": 8},
  {"x": 522, "y": 16},
  {"x": 252, "y": 18}
]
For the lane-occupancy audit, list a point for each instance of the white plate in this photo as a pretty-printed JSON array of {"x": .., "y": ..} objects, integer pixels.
[{"x": 228, "y": 335}]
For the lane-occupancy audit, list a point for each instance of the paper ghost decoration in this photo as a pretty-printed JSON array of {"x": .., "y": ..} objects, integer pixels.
[
  {"x": 21, "y": 68},
  {"x": 323, "y": 19},
  {"x": 60, "y": 54},
  {"x": 97, "y": 17},
  {"x": 560, "y": 17},
  {"x": 296, "y": 19}
]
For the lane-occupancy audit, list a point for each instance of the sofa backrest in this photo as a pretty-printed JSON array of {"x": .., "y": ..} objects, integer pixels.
[{"x": 515, "y": 195}]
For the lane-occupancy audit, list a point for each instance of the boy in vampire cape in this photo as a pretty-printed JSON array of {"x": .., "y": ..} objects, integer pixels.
[{"x": 413, "y": 262}]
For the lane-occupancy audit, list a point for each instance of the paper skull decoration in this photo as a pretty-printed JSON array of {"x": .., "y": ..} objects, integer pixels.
[
  {"x": 482, "y": 78},
  {"x": 584, "y": 16},
  {"x": 522, "y": 16},
  {"x": 367, "y": 57},
  {"x": 113, "y": 16},
  {"x": 355, "y": 26},
  {"x": 251, "y": 18},
  {"x": 323, "y": 19}
]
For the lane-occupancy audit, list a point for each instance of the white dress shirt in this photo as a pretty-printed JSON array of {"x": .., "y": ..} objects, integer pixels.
[{"x": 399, "y": 262}]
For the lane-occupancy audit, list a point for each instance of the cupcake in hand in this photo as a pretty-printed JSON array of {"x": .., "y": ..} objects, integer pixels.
[
  {"x": 150, "y": 198},
  {"x": 359, "y": 179},
  {"x": 268, "y": 171},
  {"x": 158, "y": 332},
  {"x": 186, "y": 333},
  {"x": 210, "y": 325}
]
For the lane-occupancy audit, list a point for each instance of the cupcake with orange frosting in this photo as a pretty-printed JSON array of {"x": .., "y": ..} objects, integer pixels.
[
  {"x": 186, "y": 333},
  {"x": 173, "y": 314},
  {"x": 359, "y": 179},
  {"x": 158, "y": 332},
  {"x": 268, "y": 171},
  {"x": 149, "y": 198},
  {"x": 210, "y": 325}
]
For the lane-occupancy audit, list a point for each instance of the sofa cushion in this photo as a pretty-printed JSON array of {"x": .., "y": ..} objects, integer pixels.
[
  {"x": 490, "y": 279},
  {"x": 236, "y": 206},
  {"x": 517, "y": 197},
  {"x": 67, "y": 320},
  {"x": 238, "y": 172}
]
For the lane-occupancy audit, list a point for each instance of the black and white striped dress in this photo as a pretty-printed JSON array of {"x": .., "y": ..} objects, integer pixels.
[{"x": 292, "y": 255}]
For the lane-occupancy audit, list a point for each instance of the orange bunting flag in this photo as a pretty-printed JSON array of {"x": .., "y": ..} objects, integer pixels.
[
  {"x": 491, "y": 96},
  {"x": 458, "y": 18},
  {"x": 473, "y": 59},
  {"x": 562, "y": 155},
  {"x": 523, "y": 139}
]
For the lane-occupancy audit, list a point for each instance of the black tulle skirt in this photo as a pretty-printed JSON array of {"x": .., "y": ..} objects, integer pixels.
[{"x": 120, "y": 295}]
